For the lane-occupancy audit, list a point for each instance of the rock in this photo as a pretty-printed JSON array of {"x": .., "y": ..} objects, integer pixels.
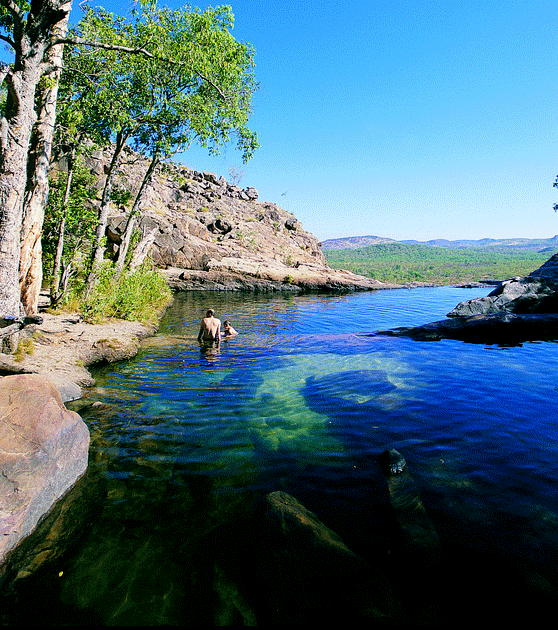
[
  {"x": 291, "y": 223},
  {"x": 392, "y": 462},
  {"x": 420, "y": 549},
  {"x": 502, "y": 328},
  {"x": 307, "y": 572},
  {"x": 44, "y": 450},
  {"x": 191, "y": 211},
  {"x": 535, "y": 293},
  {"x": 517, "y": 310},
  {"x": 65, "y": 524}
]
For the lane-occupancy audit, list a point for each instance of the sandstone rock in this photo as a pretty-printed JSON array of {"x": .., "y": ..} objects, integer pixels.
[
  {"x": 309, "y": 574},
  {"x": 44, "y": 450},
  {"x": 535, "y": 293}
]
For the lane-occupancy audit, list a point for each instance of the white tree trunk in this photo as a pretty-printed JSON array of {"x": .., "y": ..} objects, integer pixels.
[
  {"x": 32, "y": 34},
  {"x": 35, "y": 200}
]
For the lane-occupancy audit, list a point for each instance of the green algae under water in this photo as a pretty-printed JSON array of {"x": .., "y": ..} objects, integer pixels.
[{"x": 186, "y": 440}]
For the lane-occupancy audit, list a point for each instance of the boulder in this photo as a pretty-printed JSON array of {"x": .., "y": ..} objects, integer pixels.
[
  {"x": 307, "y": 573},
  {"x": 43, "y": 451},
  {"x": 535, "y": 293}
]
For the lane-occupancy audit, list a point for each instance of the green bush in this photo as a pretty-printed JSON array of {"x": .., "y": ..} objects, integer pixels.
[{"x": 136, "y": 296}]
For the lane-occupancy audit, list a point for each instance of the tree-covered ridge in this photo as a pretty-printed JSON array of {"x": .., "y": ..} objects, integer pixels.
[{"x": 400, "y": 262}]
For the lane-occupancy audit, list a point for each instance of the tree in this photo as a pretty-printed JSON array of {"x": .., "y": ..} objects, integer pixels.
[
  {"x": 216, "y": 80},
  {"x": 190, "y": 81},
  {"x": 31, "y": 31}
]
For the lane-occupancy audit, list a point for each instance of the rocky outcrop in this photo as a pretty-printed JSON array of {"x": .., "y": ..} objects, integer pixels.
[
  {"x": 517, "y": 310},
  {"x": 220, "y": 235},
  {"x": 535, "y": 293},
  {"x": 495, "y": 328},
  {"x": 43, "y": 451}
]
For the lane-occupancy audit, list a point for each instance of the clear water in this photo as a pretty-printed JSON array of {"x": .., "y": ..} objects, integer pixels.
[{"x": 303, "y": 400}]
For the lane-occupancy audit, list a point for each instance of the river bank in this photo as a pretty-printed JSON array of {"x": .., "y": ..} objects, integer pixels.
[{"x": 63, "y": 346}]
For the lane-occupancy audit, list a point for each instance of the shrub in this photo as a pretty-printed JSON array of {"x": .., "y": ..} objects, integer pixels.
[{"x": 137, "y": 296}]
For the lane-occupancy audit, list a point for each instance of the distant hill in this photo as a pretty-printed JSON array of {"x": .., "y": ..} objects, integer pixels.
[
  {"x": 487, "y": 260},
  {"x": 355, "y": 242},
  {"x": 525, "y": 244}
]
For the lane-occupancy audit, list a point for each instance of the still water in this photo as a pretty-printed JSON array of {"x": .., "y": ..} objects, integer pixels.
[{"x": 303, "y": 400}]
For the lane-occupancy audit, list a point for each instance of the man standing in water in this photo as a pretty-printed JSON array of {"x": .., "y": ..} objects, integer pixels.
[{"x": 210, "y": 327}]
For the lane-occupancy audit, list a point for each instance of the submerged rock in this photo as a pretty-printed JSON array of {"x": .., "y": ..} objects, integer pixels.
[
  {"x": 308, "y": 573},
  {"x": 345, "y": 390},
  {"x": 420, "y": 550}
]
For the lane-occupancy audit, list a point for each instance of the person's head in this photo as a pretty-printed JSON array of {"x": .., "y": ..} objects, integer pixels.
[
  {"x": 226, "y": 323},
  {"x": 210, "y": 312}
]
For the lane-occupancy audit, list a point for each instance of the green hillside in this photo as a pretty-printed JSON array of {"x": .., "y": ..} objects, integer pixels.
[{"x": 400, "y": 262}]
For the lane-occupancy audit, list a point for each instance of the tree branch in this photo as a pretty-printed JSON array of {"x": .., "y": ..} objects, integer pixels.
[
  {"x": 8, "y": 41},
  {"x": 79, "y": 41},
  {"x": 13, "y": 9}
]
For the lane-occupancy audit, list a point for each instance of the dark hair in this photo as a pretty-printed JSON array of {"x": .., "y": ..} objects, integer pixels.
[{"x": 210, "y": 312}]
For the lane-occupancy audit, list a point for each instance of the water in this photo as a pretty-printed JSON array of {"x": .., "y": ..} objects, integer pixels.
[{"x": 304, "y": 401}]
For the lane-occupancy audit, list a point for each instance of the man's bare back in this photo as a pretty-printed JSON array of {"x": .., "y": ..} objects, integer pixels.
[{"x": 210, "y": 327}]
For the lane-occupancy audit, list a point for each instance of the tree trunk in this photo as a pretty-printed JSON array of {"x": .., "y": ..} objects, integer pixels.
[
  {"x": 32, "y": 36},
  {"x": 123, "y": 250},
  {"x": 141, "y": 251},
  {"x": 98, "y": 246},
  {"x": 31, "y": 264},
  {"x": 19, "y": 120},
  {"x": 57, "y": 267}
]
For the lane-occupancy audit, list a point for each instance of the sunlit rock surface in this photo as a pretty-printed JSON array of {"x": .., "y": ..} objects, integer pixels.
[{"x": 43, "y": 451}]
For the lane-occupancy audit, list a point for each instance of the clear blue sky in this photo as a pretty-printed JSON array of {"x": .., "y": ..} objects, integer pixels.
[{"x": 408, "y": 119}]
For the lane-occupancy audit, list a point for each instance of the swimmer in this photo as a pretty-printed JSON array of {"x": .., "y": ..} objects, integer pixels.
[
  {"x": 210, "y": 327},
  {"x": 229, "y": 331}
]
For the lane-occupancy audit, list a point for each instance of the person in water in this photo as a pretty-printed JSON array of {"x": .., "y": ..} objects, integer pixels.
[
  {"x": 210, "y": 327},
  {"x": 228, "y": 330}
]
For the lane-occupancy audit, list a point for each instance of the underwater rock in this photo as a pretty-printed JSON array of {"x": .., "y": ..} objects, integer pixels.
[
  {"x": 392, "y": 462},
  {"x": 418, "y": 531},
  {"x": 420, "y": 549},
  {"x": 307, "y": 572},
  {"x": 358, "y": 387}
]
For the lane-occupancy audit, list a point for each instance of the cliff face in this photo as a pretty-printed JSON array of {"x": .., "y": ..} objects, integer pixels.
[{"x": 210, "y": 234}]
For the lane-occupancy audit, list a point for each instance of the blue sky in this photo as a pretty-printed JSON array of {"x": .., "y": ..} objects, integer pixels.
[{"x": 408, "y": 119}]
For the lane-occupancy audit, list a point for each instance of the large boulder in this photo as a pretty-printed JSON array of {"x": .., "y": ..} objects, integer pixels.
[
  {"x": 535, "y": 293},
  {"x": 43, "y": 451},
  {"x": 307, "y": 573}
]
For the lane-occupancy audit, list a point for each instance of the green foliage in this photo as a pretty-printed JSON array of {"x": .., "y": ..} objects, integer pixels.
[
  {"x": 136, "y": 296},
  {"x": 80, "y": 215},
  {"x": 178, "y": 77},
  {"x": 401, "y": 263}
]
